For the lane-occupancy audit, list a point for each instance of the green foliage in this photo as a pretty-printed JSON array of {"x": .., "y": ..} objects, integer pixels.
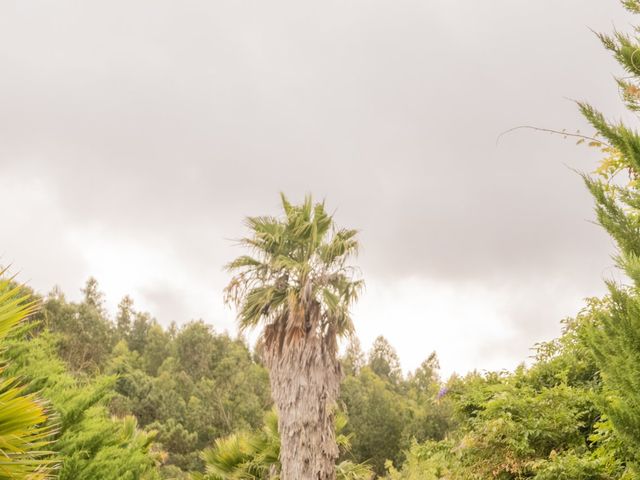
[
  {"x": 195, "y": 349},
  {"x": 299, "y": 260},
  {"x": 539, "y": 422},
  {"x": 427, "y": 461},
  {"x": 25, "y": 435},
  {"x": 353, "y": 359},
  {"x": 612, "y": 333},
  {"x": 255, "y": 455},
  {"x": 376, "y": 418},
  {"x": 571, "y": 466},
  {"x": 384, "y": 361},
  {"x": 518, "y": 425},
  {"x": 86, "y": 335},
  {"x": 184, "y": 387},
  {"x": 90, "y": 443},
  {"x": 124, "y": 317},
  {"x": 210, "y": 388},
  {"x": 388, "y": 411},
  {"x": 614, "y": 342},
  {"x": 245, "y": 455}
]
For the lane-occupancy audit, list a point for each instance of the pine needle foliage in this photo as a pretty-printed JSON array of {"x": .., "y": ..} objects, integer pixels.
[{"x": 614, "y": 334}]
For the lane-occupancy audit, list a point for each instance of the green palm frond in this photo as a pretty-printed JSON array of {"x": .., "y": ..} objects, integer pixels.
[
  {"x": 229, "y": 458},
  {"x": 298, "y": 264},
  {"x": 14, "y": 306},
  {"x": 255, "y": 456},
  {"x": 24, "y": 431},
  {"x": 348, "y": 470}
]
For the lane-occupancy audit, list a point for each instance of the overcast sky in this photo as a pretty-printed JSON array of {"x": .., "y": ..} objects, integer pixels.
[{"x": 136, "y": 135}]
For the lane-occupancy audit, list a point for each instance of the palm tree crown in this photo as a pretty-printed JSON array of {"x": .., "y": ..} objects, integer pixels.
[{"x": 297, "y": 279}]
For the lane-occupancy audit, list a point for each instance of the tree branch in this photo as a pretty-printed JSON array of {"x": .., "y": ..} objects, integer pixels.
[{"x": 550, "y": 130}]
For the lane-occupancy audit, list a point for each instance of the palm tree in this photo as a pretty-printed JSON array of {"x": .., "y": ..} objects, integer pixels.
[
  {"x": 298, "y": 287},
  {"x": 24, "y": 433}
]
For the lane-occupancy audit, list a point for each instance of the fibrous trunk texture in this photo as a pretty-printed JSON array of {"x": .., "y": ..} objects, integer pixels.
[{"x": 305, "y": 380}]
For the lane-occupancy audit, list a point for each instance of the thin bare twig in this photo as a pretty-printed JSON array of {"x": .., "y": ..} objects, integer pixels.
[{"x": 550, "y": 130}]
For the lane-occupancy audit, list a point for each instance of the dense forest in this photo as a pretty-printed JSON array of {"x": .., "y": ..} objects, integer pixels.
[
  {"x": 92, "y": 394},
  {"x": 128, "y": 398},
  {"x": 131, "y": 396}
]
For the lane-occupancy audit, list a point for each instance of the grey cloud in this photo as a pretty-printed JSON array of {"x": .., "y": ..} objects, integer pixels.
[
  {"x": 176, "y": 119},
  {"x": 166, "y": 302}
]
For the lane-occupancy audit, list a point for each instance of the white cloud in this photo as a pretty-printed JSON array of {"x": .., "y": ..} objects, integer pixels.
[
  {"x": 149, "y": 270},
  {"x": 470, "y": 325},
  {"x": 133, "y": 157}
]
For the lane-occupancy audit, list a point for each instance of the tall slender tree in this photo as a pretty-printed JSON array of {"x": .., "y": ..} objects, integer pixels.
[
  {"x": 614, "y": 336},
  {"x": 384, "y": 361},
  {"x": 298, "y": 287}
]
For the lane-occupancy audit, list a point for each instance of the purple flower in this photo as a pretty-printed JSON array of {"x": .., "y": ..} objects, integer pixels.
[{"x": 443, "y": 391}]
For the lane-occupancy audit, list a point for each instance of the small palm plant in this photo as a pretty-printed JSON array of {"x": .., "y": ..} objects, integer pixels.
[
  {"x": 255, "y": 456},
  {"x": 24, "y": 432}
]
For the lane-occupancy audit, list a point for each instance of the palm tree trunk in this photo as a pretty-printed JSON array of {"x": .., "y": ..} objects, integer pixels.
[{"x": 305, "y": 380}]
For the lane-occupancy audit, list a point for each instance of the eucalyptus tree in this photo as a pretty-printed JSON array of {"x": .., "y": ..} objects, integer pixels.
[{"x": 297, "y": 285}]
